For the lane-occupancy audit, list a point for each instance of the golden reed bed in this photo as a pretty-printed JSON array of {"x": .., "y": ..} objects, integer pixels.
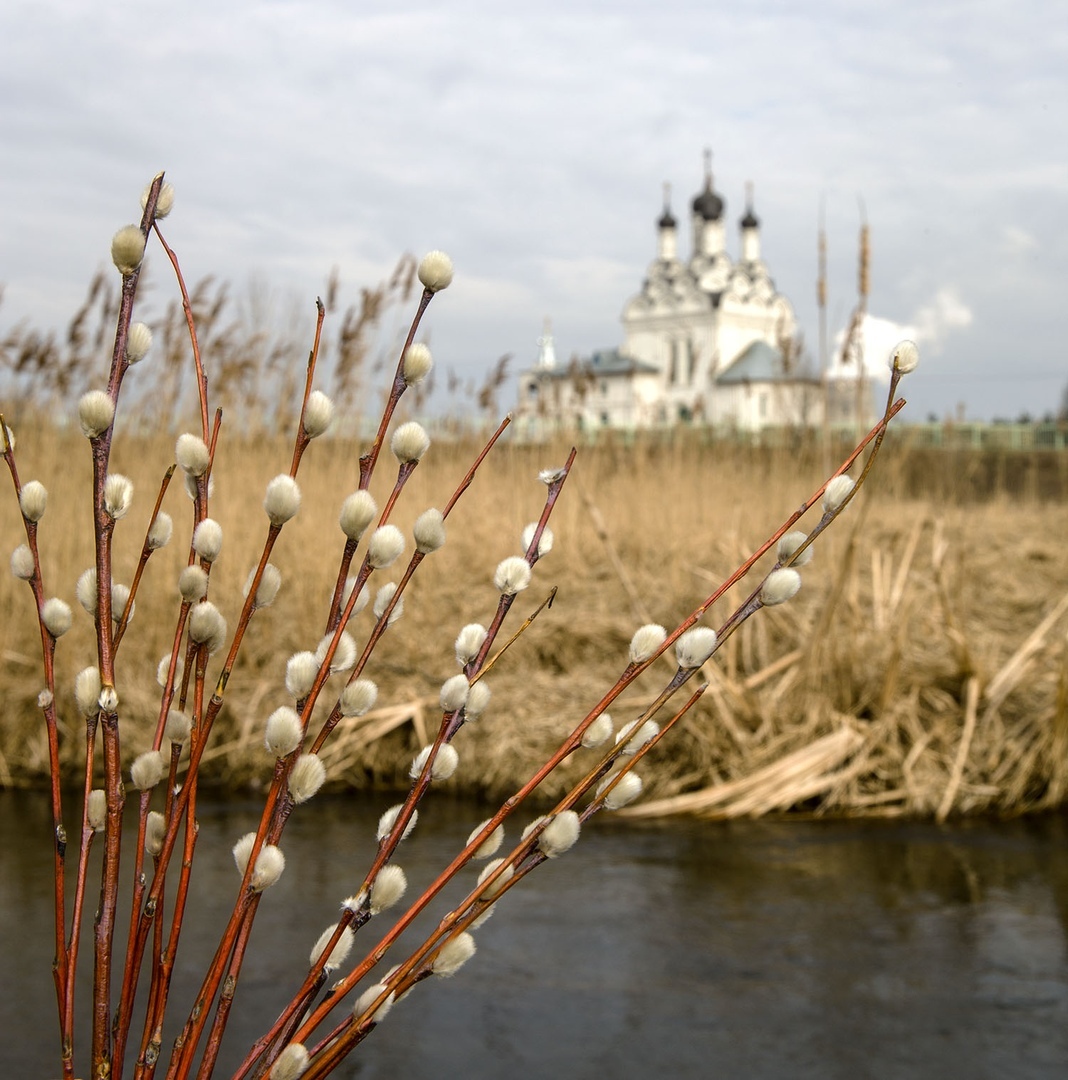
[{"x": 921, "y": 670}]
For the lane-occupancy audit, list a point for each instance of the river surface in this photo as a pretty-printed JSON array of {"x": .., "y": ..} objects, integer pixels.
[{"x": 749, "y": 949}]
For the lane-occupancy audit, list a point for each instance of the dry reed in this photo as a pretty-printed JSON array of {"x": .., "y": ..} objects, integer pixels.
[{"x": 892, "y": 662}]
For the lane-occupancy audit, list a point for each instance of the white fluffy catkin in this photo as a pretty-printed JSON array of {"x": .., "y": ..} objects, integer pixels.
[
  {"x": 512, "y": 575},
  {"x": 491, "y": 845},
  {"x": 284, "y": 732},
  {"x": 33, "y": 499},
  {"x": 836, "y": 492},
  {"x": 647, "y": 639},
  {"x": 292, "y": 1063},
  {"x": 306, "y": 777},
  {"x": 388, "y": 888},
  {"x": 789, "y": 543},
  {"x": 96, "y": 410},
  {"x": 560, "y": 834},
  {"x": 409, "y": 442},
  {"x": 385, "y": 547},
  {"x": 454, "y": 693},
  {"x": 495, "y": 886},
  {"x": 318, "y": 414},
  {"x": 56, "y": 616},
  {"x": 453, "y": 955},
  {"x": 780, "y": 586},
  {"x": 435, "y": 271},
  {"x": 207, "y": 539},
  {"x": 282, "y": 499},
  {"x": 357, "y": 512},
  {"x": 127, "y": 249},
  {"x": 191, "y": 453},
  {"x": 694, "y": 647},
  {"x": 417, "y": 363},
  {"x": 338, "y": 953}
]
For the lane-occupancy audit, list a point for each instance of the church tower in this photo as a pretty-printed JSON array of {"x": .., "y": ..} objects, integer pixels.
[
  {"x": 707, "y": 218},
  {"x": 667, "y": 235},
  {"x": 750, "y": 226}
]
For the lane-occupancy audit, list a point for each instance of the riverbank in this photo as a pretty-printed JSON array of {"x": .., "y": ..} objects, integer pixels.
[{"x": 921, "y": 671}]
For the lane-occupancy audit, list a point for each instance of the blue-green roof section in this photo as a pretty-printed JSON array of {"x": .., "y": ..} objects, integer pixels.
[
  {"x": 758, "y": 362},
  {"x": 604, "y": 362},
  {"x": 613, "y": 362}
]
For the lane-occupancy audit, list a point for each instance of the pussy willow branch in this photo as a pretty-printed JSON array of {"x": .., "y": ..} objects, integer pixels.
[
  {"x": 142, "y": 562},
  {"x": 303, "y": 439},
  {"x": 611, "y": 755},
  {"x": 195, "y": 667},
  {"x": 198, "y": 746},
  {"x": 244, "y": 909},
  {"x": 449, "y": 726},
  {"x": 523, "y": 628},
  {"x": 109, "y": 721},
  {"x": 351, "y": 1031},
  {"x": 451, "y": 722},
  {"x": 184, "y": 805},
  {"x": 313, "y": 980},
  {"x": 523, "y": 859},
  {"x": 60, "y": 963},
  {"x": 369, "y": 460},
  {"x": 190, "y": 321},
  {"x": 630, "y": 673},
  {"x": 382, "y": 624}
]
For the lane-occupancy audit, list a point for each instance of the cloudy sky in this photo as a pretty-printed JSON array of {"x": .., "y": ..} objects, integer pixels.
[{"x": 531, "y": 143}]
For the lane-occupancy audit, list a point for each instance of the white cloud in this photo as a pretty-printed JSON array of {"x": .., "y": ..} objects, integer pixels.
[
  {"x": 929, "y": 327},
  {"x": 937, "y": 320}
]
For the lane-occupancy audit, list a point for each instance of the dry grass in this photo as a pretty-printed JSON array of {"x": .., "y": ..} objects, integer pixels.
[{"x": 921, "y": 670}]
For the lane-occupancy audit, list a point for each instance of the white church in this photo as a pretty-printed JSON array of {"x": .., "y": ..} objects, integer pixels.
[{"x": 708, "y": 340}]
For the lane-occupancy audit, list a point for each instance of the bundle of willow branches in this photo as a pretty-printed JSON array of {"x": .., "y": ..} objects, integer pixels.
[{"x": 325, "y": 1020}]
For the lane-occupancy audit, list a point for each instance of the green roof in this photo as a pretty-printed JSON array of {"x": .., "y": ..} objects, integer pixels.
[{"x": 758, "y": 362}]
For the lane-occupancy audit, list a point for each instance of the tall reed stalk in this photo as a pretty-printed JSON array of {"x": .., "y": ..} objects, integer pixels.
[{"x": 323, "y": 1021}]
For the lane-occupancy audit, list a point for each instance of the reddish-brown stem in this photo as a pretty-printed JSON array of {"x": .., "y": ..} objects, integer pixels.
[
  {"x": 369, "y": 460},
  {"x": 630, "y": 673},
  {"x": 336, "y": 1045},
  {"x": 308, "y": 988},
  {"x": 226, "y": 997},
  {"x": 80, "y": 881},
  {"x": 302, "y": 439},
  {"x": 109, "y": 728},
  {"x": 157, "y": 928},
  {"x": 162, "y": 971},
  {"x": 121, "y": 1024},
  {"x": 103, "y": 526},
  {"x": 465, "y": 483},
  {"x": 142, "y": 562},
  {"x": 60, "y": 961},
  {"x": 187, "y": 307},
  {"x": 244, "y": 910},
  {"x": 185, "y": 1046},
  {"x": 449, "y": 725},
  {"x": 403, "y": 473},
  {"x": 334, "y": 614}
]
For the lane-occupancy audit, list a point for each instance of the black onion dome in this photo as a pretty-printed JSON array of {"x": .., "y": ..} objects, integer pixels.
[
  {"x": 750, "y": 221},
  {"x": 667, "y": 220},
  {"x": 708, "y": 204}
]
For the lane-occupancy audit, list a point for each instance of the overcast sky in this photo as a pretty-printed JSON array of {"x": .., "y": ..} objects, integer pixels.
[{"x": 531, "y": 143}]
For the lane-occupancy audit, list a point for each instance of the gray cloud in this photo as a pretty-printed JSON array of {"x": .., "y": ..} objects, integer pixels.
[{"x": 532, "y": 142}]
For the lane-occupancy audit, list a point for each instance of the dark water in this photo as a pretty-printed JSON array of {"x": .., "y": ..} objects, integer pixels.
[{"x": 753, "y": 949}]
